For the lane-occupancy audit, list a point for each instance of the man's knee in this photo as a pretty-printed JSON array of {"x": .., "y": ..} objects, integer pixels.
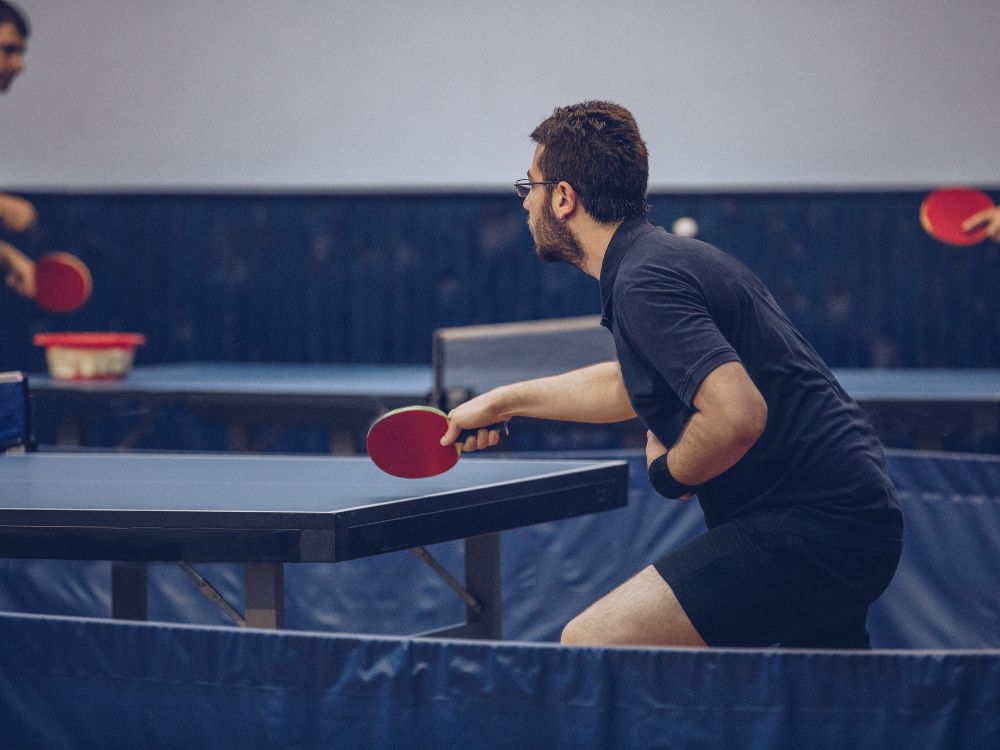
[{"x": 578, "y": 632}]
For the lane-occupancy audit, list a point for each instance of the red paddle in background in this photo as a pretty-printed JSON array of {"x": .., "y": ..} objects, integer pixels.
[
  {"x": 943, "y": 212},
  {"x": 62, "y": 282},
  {"x": 407, "y": 442}
]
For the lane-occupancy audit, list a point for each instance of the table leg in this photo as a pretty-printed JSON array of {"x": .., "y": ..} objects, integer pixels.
[
  {"x": 128, "y": 591},
  {"x": 264, "y": 595},
  {"x": 343, "y": 442},
  {"x": 482, "y": 580},
  {"x": 71, "y": 432},
  {"x": 239, "y": 437}
]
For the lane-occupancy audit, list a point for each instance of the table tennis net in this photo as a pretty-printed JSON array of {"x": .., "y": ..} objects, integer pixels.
[
  {"x": 14, "y": 430},
  {"x": 473, "y": 359}
]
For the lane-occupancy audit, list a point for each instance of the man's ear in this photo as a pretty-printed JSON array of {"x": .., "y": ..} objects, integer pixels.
[{"x": 564, "y": 201}]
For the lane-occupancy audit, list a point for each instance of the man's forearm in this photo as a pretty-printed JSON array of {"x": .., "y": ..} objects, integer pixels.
[
  {"x": 730, "y": 415},
  {"x": 592, "y": 394},
  {"x": 704, "y": 451}
]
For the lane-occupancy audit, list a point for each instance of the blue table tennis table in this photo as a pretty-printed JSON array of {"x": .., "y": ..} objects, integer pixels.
[{"x": 265, "y": 511}]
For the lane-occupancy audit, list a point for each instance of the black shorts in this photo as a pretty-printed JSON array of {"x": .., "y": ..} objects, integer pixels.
[{"x": 755, "y": 582}]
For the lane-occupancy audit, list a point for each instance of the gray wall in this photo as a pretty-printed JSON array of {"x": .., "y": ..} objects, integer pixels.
[{"x": 257, "y": 94}]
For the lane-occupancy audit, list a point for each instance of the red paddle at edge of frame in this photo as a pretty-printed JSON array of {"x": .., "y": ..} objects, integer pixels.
[
  {"x": 943, "y": 212},
  {"x": 62, "y": 282},
  {"x": 406, "y": 442}
]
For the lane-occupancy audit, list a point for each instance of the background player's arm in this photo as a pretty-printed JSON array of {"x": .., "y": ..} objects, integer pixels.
[
  {"x": 16, "y": 214},
  {"x": 594, "y": 394},
  {"x": 17, "y": 269}
]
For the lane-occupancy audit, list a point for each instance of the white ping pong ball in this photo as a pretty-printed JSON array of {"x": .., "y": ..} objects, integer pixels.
[{"x": 685, "y": 227}]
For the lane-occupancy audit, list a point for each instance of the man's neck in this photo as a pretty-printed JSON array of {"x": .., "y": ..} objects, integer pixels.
[{"x": 594, "y": 238}]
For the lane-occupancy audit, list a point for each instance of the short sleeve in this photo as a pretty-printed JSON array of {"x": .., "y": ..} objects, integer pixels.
[{"x": 668, "y": 323}]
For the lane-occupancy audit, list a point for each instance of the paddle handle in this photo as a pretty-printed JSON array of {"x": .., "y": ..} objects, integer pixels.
[{"x": 500, "y": 427}]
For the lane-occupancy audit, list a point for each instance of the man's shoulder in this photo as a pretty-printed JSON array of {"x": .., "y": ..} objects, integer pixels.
[{"x": 658, "y": 255}]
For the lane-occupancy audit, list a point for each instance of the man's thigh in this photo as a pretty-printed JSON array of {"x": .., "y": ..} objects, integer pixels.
[{"x": 643, "y": 611}]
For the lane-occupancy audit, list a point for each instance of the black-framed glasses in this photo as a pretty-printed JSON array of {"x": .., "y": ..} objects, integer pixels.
[{"x": 523, "y": 186}]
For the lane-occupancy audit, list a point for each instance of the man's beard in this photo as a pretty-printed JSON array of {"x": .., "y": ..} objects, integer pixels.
[{"x": 554, "y": 243}]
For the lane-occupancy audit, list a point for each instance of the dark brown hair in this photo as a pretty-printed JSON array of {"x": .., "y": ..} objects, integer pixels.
[
  {"x": 596, "y": 148},
  {"x": 12, "y": 14}
]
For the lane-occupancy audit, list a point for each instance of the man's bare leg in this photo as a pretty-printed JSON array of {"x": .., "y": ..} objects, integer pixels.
[{"x": 643, "y": 611}]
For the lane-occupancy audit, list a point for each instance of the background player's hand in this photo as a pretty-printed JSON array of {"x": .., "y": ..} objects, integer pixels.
[
  {"x": 480, "y": 411},
  {"x": 18, "y": 270},
  {"x": 654, "y": 448},
  {"x": 16, "y": 214},
  {"x": 989, "y": 219}
]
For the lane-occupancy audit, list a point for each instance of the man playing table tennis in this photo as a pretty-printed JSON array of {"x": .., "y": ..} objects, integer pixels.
[{"x": 804, "y": 526}]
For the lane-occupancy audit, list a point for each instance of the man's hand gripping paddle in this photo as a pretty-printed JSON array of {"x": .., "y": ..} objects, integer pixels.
[{"x": 407, "y": 442}]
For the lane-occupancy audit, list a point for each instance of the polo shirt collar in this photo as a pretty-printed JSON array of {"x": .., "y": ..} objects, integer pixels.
[{"x": 623, "y": 238}]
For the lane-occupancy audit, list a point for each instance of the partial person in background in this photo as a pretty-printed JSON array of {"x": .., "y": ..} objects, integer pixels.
[
  {"x": 17, "y": 215},
  {"x": 14, "y": 32},
  {"x": 988, "y": 220}
]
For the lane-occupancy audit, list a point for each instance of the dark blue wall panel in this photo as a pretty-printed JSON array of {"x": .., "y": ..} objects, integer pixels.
[{"x": 363, "y": 278}]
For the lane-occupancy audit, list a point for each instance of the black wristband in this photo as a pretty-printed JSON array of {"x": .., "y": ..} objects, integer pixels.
[{"x": 663, "y": 481}]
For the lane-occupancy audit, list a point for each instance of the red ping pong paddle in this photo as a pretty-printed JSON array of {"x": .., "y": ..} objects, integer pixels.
[
  {"x": 943, "y": 212},
  {"x": 407, "y": 442},
  {"x": 62, "y": 282}
]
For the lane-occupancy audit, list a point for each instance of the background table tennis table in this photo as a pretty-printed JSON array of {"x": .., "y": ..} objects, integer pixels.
[
  {"x": 346, "y": 398},
  {"x": 265, "y": 511},
  {"x": 931, "y": 406},
  {"x": 926, "y": 408}
]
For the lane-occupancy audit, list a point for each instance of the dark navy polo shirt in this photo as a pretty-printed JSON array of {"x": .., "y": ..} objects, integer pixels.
[{"x": 679, "y": 308}]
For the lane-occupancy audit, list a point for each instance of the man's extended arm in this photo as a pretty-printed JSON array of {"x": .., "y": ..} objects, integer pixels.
[{"x": 594, "y": 394}]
